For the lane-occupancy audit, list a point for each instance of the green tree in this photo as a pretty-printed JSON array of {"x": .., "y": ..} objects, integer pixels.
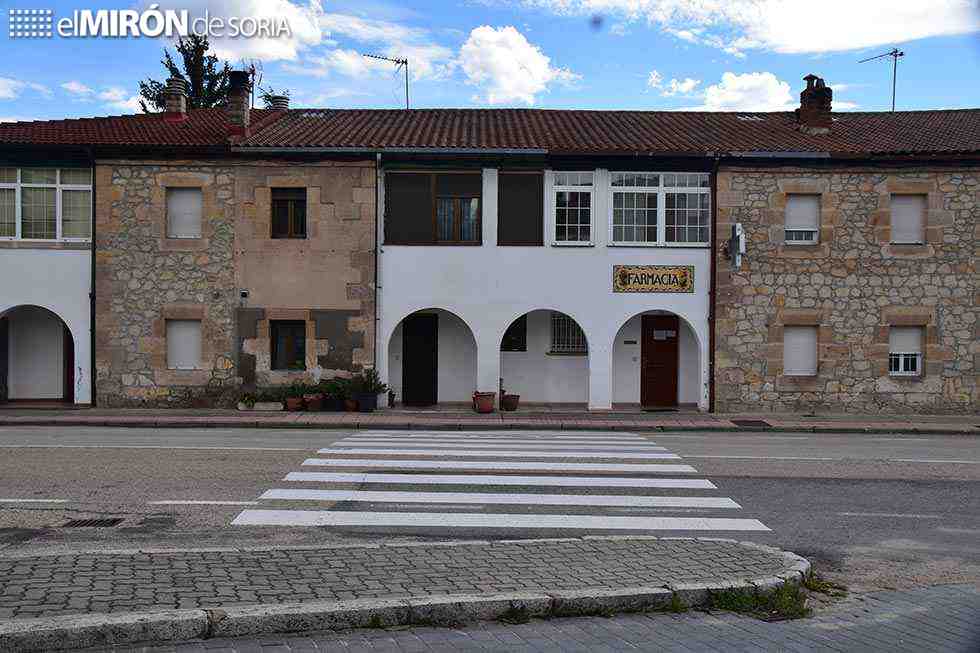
[
  {"x": 205, "y": 74},
  {"x": 268, "y": 95}
]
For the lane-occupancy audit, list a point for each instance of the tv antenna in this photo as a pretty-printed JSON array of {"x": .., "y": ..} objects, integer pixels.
[
  {"x": 894, "y": 53},
  {"x": 398, "y": 64}
]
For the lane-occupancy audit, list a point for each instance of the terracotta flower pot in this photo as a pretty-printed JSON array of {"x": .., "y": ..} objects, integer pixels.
[
  {"x": 294, "y": 403},
  {"x": 314, "y": 402},
  {"x": 483, "y": 401},
  {"x": 509, "y": 402}
]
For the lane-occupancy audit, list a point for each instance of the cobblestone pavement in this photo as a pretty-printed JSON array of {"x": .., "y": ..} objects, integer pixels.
[
  {"x": 942, "y": 618},
  {"x": 130, "y": 582}
]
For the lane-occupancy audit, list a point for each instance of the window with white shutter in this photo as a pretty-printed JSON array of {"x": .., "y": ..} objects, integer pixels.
[
  {"x": 802, "y": 219},
  {"x": 800, "y": 350},
  {"x": 905, "y": 351},
  {"x": 184, "y": 208},
  {"x": 184, "y": 344},
  {"x": 908, "y": 219}
]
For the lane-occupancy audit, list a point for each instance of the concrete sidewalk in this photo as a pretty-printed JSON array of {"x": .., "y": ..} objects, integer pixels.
[
  {"x": 90, "y": 599},
  {"x": 523, "y": 420}
]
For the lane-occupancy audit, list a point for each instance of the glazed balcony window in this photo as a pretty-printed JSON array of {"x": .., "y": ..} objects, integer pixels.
[{"x": 433, "y": 208}]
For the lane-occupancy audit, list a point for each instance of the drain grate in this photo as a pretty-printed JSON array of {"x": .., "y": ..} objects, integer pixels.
[
  {"x": 93, "y": 523},
  {"x": 752, "y": 423}
]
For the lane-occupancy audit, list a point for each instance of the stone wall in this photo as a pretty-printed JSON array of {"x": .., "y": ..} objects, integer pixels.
[
  {"x": 144, "y": 278},
  {"x": 853, "y": 286}
]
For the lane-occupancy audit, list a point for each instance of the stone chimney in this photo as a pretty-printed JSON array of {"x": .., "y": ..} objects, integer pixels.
[
  {"x": 813, "y": 115},
  {"x": 279, "y": 102},
  {"x": 239, "y": 102},
  {"x": 175, "y": 99}
]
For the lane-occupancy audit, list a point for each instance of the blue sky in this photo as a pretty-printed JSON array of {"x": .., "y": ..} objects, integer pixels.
[{"x": 591, "y": 54}]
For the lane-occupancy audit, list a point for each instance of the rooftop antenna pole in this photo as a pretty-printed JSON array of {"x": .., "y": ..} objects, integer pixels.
[
  {"x": 398, "y": 63},
  {"x": 894, "y": 53}
]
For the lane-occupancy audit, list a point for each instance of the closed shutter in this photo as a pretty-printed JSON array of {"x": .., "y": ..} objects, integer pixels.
[
  {"x": 184, "y": 207},
  {"x": 803, "y": 212},
  {"x": 905, "y": 340},
  {"x": 800, "y": 350},
  {"x": 520, "y": 208},
  {"x": 184, "y": 344},
  {"x": 908, "y": 218}
]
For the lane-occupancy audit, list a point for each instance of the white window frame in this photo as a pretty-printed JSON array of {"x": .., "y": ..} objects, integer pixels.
[
  {"x": 572, "y": 330},
  {"x": 902, "y": 358},
  {"x": 661, "y": 191},
  {"x": 553, "y": 201},
  {"x": 815, "y": 240},
  {"x": 58, "y": 188}
]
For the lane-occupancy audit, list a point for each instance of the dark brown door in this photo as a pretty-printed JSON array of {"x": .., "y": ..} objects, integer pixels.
[
  {"x": 658, "y": 361},
  {"x": 4, "y": 365},
  {"x": 69, "y": 376},
  {"x": 420, "y": 359}
]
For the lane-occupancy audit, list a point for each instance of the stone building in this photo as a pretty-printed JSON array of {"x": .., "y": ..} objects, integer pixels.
[{"x": 584, "y": 258}]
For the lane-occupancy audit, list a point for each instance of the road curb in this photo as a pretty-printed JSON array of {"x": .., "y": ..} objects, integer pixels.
[
  {"x": 168, "y": 626},
  {"x": 463, "y": 425}
]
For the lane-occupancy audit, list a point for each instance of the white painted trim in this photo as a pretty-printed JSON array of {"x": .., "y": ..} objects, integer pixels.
[
  {"x": 647, "y": 468},
  {"x": 494, "y": 448},
  {"x": 506, "y": 453}
]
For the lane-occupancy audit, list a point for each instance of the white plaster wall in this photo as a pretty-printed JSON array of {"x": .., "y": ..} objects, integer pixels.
[
  {"x": 626, "y": 364},
  {"x": 59, "y": 281},
  {"x": 456, "y": 373},
  {"x": 36, "y": 354},
  {"x": 538, "y": 376},
  {"x": 489, "y": 286}
]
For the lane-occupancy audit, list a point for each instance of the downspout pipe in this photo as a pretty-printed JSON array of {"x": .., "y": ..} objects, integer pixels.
[
  {"x": 377, "y": 251},
  {"x": 91, "y": 293},
  {"x": 712, "y": 285}
]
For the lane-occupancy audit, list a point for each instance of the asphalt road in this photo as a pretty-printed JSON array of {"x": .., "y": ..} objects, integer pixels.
[{"x": 875, "y": 512}]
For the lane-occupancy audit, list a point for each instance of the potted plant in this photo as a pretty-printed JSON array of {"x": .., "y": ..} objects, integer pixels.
[
  {"x": 294, "y": 397},
  {"x": 313, "y": 398},
  {"x": 366, "y": 387},
  {"x": 333, "y": 394},
  {"x": 483, "y": 401},
  {"x": 509, "y": 402}
]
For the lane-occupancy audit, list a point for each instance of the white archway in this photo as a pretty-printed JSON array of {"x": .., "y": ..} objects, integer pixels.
[
  {"x": 455, "y": 354},
  {"x": 37, "y": 355}
]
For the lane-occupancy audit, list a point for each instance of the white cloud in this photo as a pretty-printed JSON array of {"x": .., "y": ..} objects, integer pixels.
[
  {"x": 120, "y": 99},
  {"x": 11, "y": 89},
  {"x": 302, "y": 18},
  {"x": 685, "y": 86},
  {"x": 748, "y": 92},
  {"x": 77, "y": 88},
  {"x": 506, "y": 67},
  {"x": 655, "y": 79},
  {"x": 788, "y": 27}
]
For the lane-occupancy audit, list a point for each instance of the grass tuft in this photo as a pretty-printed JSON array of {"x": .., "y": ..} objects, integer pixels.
[
  {"x": 787, "y": 602},
  {"x": 816, "y": 583}
]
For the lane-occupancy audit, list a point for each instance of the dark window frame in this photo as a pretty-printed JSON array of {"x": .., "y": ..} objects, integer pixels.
[
  {"x": 294, "y": 230},
  {"x": 275, "y": 326},
  {"x": 539, "y": 209},
  {"x": 515, "y": 337},
  {"x": 435, "y": 196}
]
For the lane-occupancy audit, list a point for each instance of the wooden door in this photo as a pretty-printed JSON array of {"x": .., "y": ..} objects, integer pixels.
[
  {"x": 420, "y": 359},
  {"x": 659, "y": 361}
]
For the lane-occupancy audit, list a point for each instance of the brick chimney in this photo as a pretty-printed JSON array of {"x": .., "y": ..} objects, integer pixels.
[
  {"x": 239, "y": 102},
  {"x": 279, "y": 102},
  {"x": 813, "y": 115},
  {"x": 175, "y": 99}
]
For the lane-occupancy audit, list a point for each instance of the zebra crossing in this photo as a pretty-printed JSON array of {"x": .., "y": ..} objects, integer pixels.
[{"x": 485, "y": 481}]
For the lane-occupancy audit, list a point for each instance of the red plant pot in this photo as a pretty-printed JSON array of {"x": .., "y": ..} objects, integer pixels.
[
  {"x": 483, "y": 401},
  {"x": 294, "y": 404}
]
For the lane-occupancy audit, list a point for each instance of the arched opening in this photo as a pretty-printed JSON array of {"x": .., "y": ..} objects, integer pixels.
[
  {"x": 432, "y": 359},
  {"x": 544, "y": 358},
  {"x": 37, "y": 356},
  {"x": 656, "y": 362}
]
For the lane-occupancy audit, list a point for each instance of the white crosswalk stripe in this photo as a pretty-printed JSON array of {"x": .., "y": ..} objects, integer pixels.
[{"x": 526, "y": 481}]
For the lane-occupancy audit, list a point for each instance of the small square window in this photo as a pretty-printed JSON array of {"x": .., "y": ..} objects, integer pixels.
[
  {"x": 515, "y": 338},
  {"x": 288, "y": 346},
  {"x": 184, "y": 344},
  {"x": 908, "y": 219},
  {"x": 288, "y": 213},
  {"x": 184, "y": 208},
  {"x": 802, "y": 219},
  {"x": 800, "y": 350},
  {"x": 905, "y": 351}
]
